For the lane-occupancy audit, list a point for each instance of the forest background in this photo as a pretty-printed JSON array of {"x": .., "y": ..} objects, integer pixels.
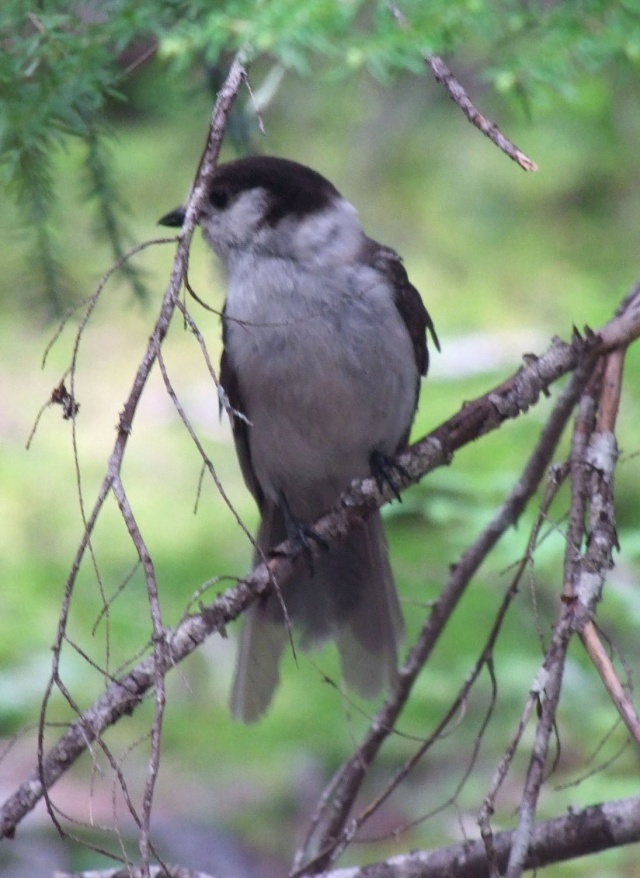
[{"x": 504, "y": 260}]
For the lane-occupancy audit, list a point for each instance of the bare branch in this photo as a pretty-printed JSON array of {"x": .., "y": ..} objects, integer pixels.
[
  {"x": 605, "y": 668},
  {"x": 602, "y": 515},
  {"x": 533, "y": 698},
  {"x": 220, "y": 114},
  {"x": 459, "y": 96},
  {"x": 327, "y": 828},
  {"x": 159, "y": 647},
  {"x": 462, "y": 100},
  {"x": 552, "y": 671},
  {"x": 587, "y": 831}
]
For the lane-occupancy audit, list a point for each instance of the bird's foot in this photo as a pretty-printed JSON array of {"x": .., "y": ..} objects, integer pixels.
[
  {"x": 385, "y": 470},
  {"x": 301, "y": 536}
]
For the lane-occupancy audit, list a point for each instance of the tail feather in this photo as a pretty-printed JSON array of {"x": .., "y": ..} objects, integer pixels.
[
  {"x": 369, "y": 637},
  {"x": 351, "y": 598},
  {"x": 262, "y": 642},
  {"x": 262, "y": 639}
]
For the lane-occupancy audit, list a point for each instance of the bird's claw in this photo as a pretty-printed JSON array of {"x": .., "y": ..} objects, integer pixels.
[
  {"x": 302, "y": 536},
  {"x": 385, "y": 470}
]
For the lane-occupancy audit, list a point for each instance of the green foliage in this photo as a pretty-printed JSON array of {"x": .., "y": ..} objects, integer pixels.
[
  {"x": 544, "y": 52},
  {"x": 102, "y": 187},
  {"x": 63, "y": 66}
]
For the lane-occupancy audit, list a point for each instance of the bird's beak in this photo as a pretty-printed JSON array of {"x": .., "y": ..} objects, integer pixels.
[{"x": 174, "y": 219}]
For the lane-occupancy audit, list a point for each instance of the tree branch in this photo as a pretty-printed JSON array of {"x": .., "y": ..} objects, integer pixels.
[
  {"x": 587, "y": 831},
  {"x": 459, "y": 97},
  {"x": 462, "y": 100},
  {"x": 593, "y": 829},
  {"x": 220, "y": 114}
]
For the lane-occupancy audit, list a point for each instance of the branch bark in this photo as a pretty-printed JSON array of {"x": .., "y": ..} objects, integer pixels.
[
  {"x": 461, "y": 99},
  {"x": 588, "y": 831},
  {"x": 594, "y": 829}
]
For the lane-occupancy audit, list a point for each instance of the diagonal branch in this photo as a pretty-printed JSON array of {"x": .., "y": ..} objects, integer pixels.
[
  {"x": 459, "y": 96},
  {"x": 462, "y": 100}
]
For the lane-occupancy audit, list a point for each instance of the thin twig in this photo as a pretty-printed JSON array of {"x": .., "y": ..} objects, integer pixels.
[
  {"x": 459, "y": 96},
  {"x": 614, "y": 687},
  {"x": 592, "y": 522},
  {"x": 462, "y": 100},
  {"x": 583, "y": 429},
  {"x": 220, "y": 114},
  {"x": 488, "y": 806},
  {"x": 159, "y": 641},
  {"x": 603, "y": 463},
  {"x": 552, "y": 670}
]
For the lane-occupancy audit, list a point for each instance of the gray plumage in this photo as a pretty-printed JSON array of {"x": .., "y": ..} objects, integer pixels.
[{"x": 324, "y": 344}]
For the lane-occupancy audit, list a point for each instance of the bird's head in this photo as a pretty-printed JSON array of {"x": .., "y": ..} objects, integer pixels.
[{"x": 273, "y": 206}]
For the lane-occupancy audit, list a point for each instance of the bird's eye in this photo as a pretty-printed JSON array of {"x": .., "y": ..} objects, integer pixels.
[{"x": 219, "y": 198}]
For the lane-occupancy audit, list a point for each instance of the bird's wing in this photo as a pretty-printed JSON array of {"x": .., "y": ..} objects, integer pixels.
[
  {"x": 407, "y": 300},
  {"x": 240, "y": 426}
]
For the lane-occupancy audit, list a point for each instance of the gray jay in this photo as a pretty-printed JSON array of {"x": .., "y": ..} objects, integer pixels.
[{"x": 324, "y": 345}]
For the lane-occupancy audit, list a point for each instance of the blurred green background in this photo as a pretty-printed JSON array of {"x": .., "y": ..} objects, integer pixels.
[{"x": 504, "y": 261}]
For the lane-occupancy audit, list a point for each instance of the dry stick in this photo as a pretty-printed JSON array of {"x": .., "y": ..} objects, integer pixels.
[
  {"x": 484, "y": 817},
  {"x": 583, "y": 429},
  {"x": 553, "y": 670},
  {"x": 606, "y": 457},
  {"x": 462, "y": 100},
  {"x": 588, "y": 831},
  {"x": 346, "y": 783},
  {"x": 605, "y": 668},
  {"x": 459, "y": 96},
  {"x": 488, "y": 806},
  {"x": 600, "y": 460},
  {"x": 476, "y": 418},
  {"x": 593, "y": 460},
  {"x": 159, "y": 641},
  {"x": 553, "y": 665},
  {"x": 326, "y": 833},
  {"x": 221, "y": 111},
  {"x": 611, "y": 391},
  {"x": 85, "y": 543},
  {"x": 55, "y": 680},
  {"x": 580, "y": 832}
]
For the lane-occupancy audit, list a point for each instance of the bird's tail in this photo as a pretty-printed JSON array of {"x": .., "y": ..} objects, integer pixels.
[{"x": 350, "y": 598}]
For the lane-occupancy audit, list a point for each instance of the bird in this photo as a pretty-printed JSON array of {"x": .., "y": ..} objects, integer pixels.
[{"x": 324, "y": 345}]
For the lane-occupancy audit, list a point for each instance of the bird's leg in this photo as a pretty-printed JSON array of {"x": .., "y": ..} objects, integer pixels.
[
  {"x": 385, "y": 470},
  {"x": 299, "y": 534}
]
